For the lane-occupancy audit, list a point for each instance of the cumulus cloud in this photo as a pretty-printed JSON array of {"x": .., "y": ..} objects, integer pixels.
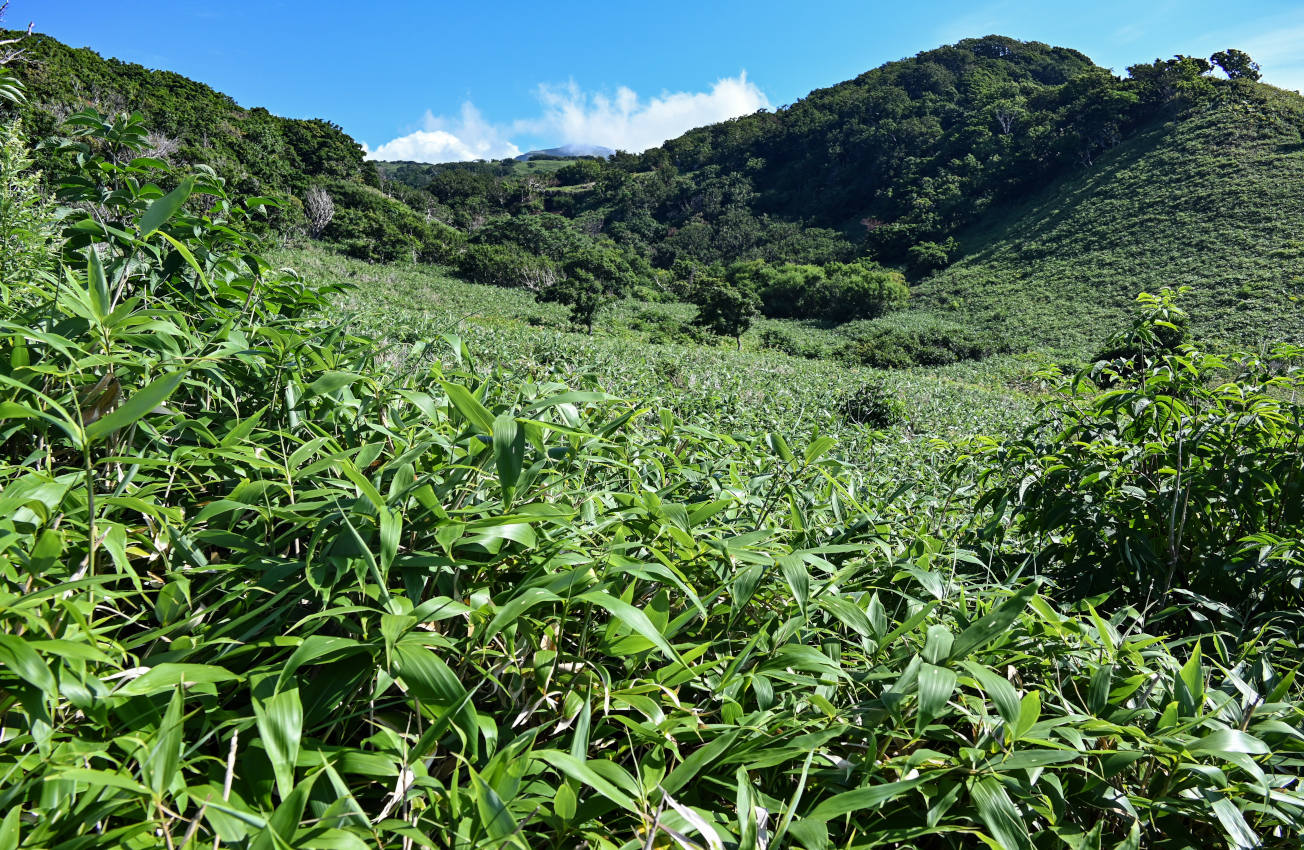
[
  {"x": 442, "y": 139},
  {"x": 627, "y": 122},
  {"x": 622, "y": 121}
]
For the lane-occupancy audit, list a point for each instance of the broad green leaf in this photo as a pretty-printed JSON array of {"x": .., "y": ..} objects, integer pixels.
[
  {"x": 430, "y": 679},
  {"x": 137, "y": 406},
  {"x": 994, "y": 624},
  {"x": 581, "y": 772},
  {"x": 509, "y": 454},
  {"x": 999, "y": 815},
  {"x": 9, "y": 835},
  {"x": 798, "y": 579},
  {"x": 469, "y": 406},
  {"x": 98, "y": 286},
  {"x": 26, "y": 663},
  {"x": 280, "y": 727},
  {"x": 166, "y": 677},
  {"x": 513, "y": 608},
  {"x": 862, "y": 799},
  {"x": 999, "y": 691},
  {"x": 329, "y": 382},
  {"x": 634, "y": 619},
  {"x": 1029, "y": 713},
  {"x": 159, "y": 211},
  {"x": 936, "y": 684},
  {"x": 286, "y": 819},
  {"x": 1229, "y": 741},
  {"x": 161, "y": 760}
]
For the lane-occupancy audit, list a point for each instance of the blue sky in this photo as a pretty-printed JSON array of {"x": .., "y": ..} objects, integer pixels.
[{"x": 441, "y": 81}]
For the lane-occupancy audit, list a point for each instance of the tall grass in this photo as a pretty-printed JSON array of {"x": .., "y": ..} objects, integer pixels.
[{"x": 266, "y": 582}]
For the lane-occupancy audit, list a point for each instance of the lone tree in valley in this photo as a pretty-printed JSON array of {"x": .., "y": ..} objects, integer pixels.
[
  {"x": 582, "y": 293},
  {"x": 319, "y": 208},
  {"x": 725, "y": 309}
]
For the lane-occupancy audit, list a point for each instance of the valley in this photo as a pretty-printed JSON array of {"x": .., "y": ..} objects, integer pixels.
[{"x": 916, "y": 465}]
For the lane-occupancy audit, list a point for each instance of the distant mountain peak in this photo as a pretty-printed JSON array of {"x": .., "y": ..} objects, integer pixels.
[{"x": 568, "y": 150}]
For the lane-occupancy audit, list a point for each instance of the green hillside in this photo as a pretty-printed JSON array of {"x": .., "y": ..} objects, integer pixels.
[
  {"x": 300, "y": 550},
  {"x": 1028, "y": 195},
  {"x": 1211, "y": 201},
  {"x": 186, "y": 123}
]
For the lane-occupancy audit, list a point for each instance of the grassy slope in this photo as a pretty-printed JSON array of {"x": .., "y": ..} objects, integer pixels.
[
  {"x": 748, "y": 390},
  {"x": 1212, "y": 202}
]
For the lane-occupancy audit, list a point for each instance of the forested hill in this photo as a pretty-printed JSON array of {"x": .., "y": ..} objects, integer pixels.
[
  {"x": 1022, "y": 189},
  {"x": 188, "y": 123},
  {"x": 908, "y": 153},
  {"x": 1027, "y": 193},
  {"x": 918, "y": 145}
]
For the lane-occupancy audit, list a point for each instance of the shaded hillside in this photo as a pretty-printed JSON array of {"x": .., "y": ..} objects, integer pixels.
[
  {"x": 188, "y": 123},
  {"x": 1212, "y": 201}
]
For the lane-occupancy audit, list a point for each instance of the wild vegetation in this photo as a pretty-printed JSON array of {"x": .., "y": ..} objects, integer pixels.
[{"x": 363, "y": 555}]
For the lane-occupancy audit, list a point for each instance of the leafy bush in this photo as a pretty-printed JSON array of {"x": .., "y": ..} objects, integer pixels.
[
  {"x": 836, "y": 291},
  {"x": 506, "y": 265},
  {"x": 931, "y": 343},
  {"x": 370, "y": 226},
  {"x": 874, "y": 404},
  {"x": 926, "y": 257},
  {"x": 666, "y": 330},
  {"x": 778, "y": 339},
  {"x": 1187, "y": 474},
  {"x": 724, "y": 309},
  {"x": 578, "y": 172}
]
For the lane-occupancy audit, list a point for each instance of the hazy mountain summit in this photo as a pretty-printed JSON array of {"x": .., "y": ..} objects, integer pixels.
[{"x": 568, "y": 150}]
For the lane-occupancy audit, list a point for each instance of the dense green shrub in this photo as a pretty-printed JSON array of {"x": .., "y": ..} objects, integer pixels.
[
  {"x": 927, "y": 257},
  {"x": 1187, "y": 474},
  {"x": 778, "y": 339},
  {"x": 578, "y": 172},
  {"x": 874, "y": 404},
  {"x": 922, "y": 344},
  {"x": 837, "y": 292},
  {"x": 505, "y": 265},
  {"x": 666, "y": 330},
  {"x": 371, "y": 226},
  {"x": 723, "y": 308}
]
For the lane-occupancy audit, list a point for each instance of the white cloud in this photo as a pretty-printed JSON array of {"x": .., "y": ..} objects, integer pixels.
[
  {"x": 626, "y": 122},
  {"x": 442, "y": 139},
  {"x": 622, "y": 121}
]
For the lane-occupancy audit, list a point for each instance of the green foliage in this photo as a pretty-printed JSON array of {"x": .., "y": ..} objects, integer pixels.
[
  {"x": 1203, "y": 201},
  {"x": 875, "y": 405},
  {"x": 837, "y": 291},
  {"x": 926, "y": 257},
  {"x": 579, "y": 172},
  {"x": 188, "y": 124},
  {"x": 26, "y": 216},
  {"x": 505, "y": 265},
  {"x": 269, "y": 580},
  {"x": 1186, "y": 474},
  {"x": 931, "y": 343},
  {"x": 582, "y": 293},
  {"x": 725, "y": 309},
  {"x": 1236, "y": 64},
  {"x": 370, "y": 226},
  {"x": 779, "y": 339}
]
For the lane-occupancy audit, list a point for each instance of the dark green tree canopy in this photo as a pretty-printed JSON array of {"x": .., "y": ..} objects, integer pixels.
[{"x": 725, "y": 308}]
